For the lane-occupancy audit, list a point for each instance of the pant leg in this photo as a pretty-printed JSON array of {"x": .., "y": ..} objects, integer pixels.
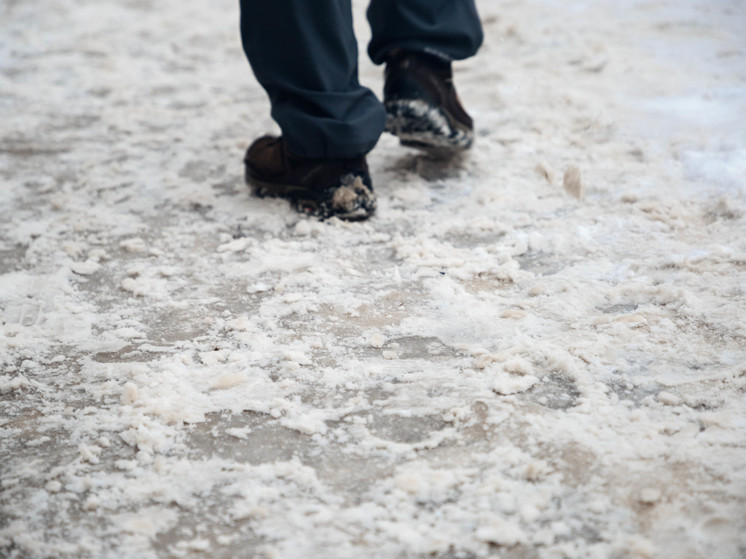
[
  {"x": 449, "y": 29},
  {"x": 304, "y": 54}
]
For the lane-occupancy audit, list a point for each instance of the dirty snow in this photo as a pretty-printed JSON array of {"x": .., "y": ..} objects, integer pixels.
[{"x": 536, "y": 351}]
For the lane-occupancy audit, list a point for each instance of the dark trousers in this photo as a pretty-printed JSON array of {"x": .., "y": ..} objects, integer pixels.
[{"x": 304, "y": 54}]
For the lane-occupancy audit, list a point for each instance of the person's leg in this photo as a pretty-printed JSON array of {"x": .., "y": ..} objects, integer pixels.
[
  {"x": 448, "y": 29},
  {"x": 418, "y": 39},
  {"x": 304, "y": 54}
]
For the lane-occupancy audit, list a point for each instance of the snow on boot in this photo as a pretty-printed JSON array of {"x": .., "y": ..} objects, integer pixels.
[
  {"x": 422, "y": 107},
  {"x": 321, "y": 188}
]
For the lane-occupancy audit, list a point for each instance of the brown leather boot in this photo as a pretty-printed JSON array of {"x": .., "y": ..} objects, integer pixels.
[
  {"x": 422, "y": 107},
  {"x": 319, "y": 187}
]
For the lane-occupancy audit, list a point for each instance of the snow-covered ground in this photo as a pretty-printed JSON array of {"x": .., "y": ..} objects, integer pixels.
[{"x": 535, "y": 352}]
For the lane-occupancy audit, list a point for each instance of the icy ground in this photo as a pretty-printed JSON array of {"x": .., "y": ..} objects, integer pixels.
[{"x": 535, "y": 352}]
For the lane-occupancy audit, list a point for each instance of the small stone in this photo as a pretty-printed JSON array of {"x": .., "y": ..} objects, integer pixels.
[
  {"x": 668, "y": 399},
  {"x": 91, "y": 503},
  {"x": 84, "y": 268},
  {"x": 133, "y": 245},
  {"x": 228, "y": 380},
  {"x": 650, "y": 495},
  {"x": 543, "y": 171},
  {"x": 572, "y": 182},
  {"x": 376, "y": 339},
  {"x": 130, "y": 393}
]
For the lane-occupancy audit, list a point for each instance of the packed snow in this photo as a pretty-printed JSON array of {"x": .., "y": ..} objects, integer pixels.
[{"x": 534, "y": 351}]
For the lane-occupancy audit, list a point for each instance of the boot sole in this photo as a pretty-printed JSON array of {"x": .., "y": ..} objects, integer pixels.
[
  {"x": 420, "y": 125},
  {"x": 352, "y": 200}
]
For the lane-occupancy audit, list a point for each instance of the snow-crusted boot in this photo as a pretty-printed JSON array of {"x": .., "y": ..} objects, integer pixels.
[
  {"x": 422, "y": 107},
  {"x": 319, "y": 187}
]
